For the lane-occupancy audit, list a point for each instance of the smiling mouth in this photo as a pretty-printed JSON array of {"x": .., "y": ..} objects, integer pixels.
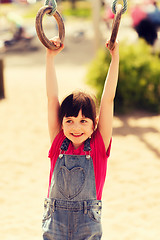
[{"x": 76, "y": 135}]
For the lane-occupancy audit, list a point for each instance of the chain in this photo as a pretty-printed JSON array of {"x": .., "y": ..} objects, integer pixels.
[
  {"x": 124, "y": 9},
  {"x": 53, "y": 4}
]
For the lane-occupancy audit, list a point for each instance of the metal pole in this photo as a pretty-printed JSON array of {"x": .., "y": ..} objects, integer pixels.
[
  {"x": 96, "y": 7},
  {"x": 1, "y": 80}
]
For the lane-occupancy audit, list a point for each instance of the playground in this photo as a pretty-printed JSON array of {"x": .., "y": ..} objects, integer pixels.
[{"x": 131, "y": 195}]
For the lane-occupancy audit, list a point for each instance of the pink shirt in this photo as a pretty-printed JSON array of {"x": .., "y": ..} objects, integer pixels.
[{"x": 98, "y": 154}]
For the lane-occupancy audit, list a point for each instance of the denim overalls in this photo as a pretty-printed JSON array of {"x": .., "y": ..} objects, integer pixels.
[{"x": 72, "y": 211}]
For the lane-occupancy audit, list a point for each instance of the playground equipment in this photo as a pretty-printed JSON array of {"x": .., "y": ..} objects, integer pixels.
[
  {"x": 50, "y": 11},
  {"x": 1, "y": 80},
  {"x": 118, "y": 10}
]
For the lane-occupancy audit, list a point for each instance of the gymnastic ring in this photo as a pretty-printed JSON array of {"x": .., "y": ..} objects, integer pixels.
[
  {"x": 115, "y": 26},
  {"x": 42, "y": 37}
]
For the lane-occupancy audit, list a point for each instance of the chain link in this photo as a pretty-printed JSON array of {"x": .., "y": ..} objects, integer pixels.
[
  {"x": 53, "y": 4},
  {"x": 124, "y": 9}
]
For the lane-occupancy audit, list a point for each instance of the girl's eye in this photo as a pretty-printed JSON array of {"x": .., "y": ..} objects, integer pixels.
[
  {"x": 83, "y": 121},
  {"x": 69, "y": 121}
]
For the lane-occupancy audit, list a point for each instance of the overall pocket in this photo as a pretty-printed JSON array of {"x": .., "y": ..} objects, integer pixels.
[
  {"x": 95, "y": 214},
  {"x": 70, "y": 182},
  {"x": 47, "y": 210}
]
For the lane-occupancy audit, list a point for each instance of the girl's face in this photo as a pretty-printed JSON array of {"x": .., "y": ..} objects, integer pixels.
[{"x": 77, "y": 129}]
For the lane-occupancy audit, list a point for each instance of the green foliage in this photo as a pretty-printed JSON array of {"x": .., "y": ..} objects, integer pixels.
[
  {"x": 82, "y": 9},
  {"x": 77, "y": 12},
  {"x": 139, "y": 77}
]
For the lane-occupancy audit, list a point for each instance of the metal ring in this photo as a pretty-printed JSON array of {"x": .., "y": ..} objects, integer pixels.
[
  {"x": 42, "y": 37},
  {"x": 115, "y": 27}
]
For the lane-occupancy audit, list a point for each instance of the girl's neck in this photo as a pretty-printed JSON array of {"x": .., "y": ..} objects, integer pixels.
[{"x": 76, "y": 146}]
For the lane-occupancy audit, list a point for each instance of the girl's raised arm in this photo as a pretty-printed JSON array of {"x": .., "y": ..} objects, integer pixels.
[
  {"x": 52, "y": 91},
  {"x": 107, "y": 100}
]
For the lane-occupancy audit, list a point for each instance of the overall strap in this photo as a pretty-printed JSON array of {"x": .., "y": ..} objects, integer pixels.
[
  {"x": 87, "y": 146},
  {"x": 65, "y": 145}
]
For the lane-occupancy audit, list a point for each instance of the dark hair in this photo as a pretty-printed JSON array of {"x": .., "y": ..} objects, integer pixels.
[{"x": 75, "y": 102}]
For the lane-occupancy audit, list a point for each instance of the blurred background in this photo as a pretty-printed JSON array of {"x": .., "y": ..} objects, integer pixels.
[{"x": 131, "y": 196}]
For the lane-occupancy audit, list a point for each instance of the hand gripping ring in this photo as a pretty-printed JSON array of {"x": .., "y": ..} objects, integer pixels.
[
  {"x": 115, "y": 26},
  {"x": 42, "y": 37}
]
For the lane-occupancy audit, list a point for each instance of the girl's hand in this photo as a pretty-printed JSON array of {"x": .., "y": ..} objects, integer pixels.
[
  {"x": 57, "y": 43},
  {"x": 115, "y": 51}
]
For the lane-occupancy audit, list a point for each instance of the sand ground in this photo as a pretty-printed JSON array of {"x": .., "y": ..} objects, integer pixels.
[{"x": 131, "y": 196}]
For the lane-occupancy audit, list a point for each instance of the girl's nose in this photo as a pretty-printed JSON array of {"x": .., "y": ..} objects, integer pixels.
[{"x": 76, "y": 126}]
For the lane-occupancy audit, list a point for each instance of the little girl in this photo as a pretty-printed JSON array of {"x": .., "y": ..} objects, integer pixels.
[{"x": 79, "y": 152}]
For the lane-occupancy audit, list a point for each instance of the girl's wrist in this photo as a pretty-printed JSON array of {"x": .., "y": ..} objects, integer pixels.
[
  {"x": 50, "y": 54},
  {"x": 115, "y": 56}
]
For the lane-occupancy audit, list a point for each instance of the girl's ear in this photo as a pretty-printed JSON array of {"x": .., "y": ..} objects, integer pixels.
[{"x": 96, "y": 123}]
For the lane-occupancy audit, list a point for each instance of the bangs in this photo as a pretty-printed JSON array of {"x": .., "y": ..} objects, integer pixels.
[{"x": 75, "y": 102}]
